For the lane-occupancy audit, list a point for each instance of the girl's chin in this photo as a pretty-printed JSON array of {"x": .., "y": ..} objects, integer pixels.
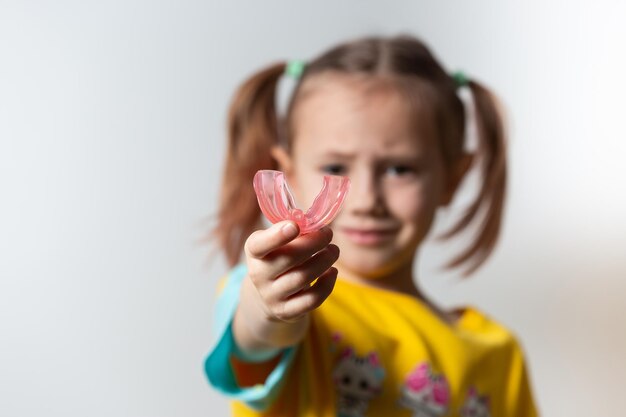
[
  {"x": 364, "y": 271},
  {"x": 369, "y": 264}
]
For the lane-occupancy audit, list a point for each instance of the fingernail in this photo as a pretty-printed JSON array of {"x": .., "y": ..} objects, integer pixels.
[{"x": 289, "y": 230}]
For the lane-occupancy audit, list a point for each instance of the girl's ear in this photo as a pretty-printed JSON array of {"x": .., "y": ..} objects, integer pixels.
[
  {"x": 455, "y": 176},
  {"x": 282, "y": 158}
]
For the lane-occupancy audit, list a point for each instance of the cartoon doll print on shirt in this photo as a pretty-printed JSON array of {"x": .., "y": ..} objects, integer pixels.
[
  {"x": 475, "y": 405},
  {"x": 424, "y": 393},
  {"x": 357, "y": 379}
]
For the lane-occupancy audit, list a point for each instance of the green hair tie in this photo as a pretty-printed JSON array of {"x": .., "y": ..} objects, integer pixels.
[
  {"x": 460, "y": 79},
  {"x": 295, "y": 68}
]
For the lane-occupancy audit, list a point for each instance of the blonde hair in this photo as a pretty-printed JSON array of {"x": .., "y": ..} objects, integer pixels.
[{"x": 254, "y": 129}]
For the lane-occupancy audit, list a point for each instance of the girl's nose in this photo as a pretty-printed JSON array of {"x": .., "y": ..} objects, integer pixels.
[{"x": 366, "y": 196}]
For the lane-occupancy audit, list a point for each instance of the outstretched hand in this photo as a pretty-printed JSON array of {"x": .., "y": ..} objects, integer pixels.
[{"x": 292, "y": 274}]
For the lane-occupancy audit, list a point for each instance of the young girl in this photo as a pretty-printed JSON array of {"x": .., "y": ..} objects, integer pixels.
[{"x": 297, "y": 336}]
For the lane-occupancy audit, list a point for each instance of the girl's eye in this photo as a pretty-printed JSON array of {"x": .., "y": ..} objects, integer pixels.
[
  {"x": 334, "y": 169},
  {"x": 398, "y": 170}
]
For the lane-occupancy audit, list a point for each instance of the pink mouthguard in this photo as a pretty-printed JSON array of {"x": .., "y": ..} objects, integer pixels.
[{"x": 277, "y": 202}]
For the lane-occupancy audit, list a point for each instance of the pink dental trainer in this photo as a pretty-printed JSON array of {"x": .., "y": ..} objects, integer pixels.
[{"x": 277, "y": 202}]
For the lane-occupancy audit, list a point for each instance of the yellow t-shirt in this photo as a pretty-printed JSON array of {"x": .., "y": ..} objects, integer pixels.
[{"x": 373, "y": 352}]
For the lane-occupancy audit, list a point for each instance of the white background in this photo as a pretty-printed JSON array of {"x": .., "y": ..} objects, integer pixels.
[{"x": 111, "y": 141}]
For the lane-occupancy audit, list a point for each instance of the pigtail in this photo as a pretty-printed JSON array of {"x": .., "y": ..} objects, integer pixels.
[
  {"x": 489, "y": 203},
  {"x": 252, "y": 132}
]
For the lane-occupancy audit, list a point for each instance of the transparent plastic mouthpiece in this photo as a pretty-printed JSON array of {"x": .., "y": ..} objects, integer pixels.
[{"x": 277, "y": 202}]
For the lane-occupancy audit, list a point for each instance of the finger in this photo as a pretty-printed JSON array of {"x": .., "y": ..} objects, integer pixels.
[
  {"x": 301, "y": 277},
  {"x": 298, "y": 251},
  {"x": 262, "y": 242},
  {"x": 310, "y": 298}
]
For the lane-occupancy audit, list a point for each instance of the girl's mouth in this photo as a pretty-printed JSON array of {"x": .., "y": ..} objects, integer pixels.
[{"x": 368, "y": 237}]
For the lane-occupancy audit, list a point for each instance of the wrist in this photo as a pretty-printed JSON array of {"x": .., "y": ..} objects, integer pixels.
[{"x": 256, "y": 329}]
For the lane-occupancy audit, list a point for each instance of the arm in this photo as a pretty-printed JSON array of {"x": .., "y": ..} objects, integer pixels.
[
  {"x": 264, "y": 310},
  {"x": 288, "y": 277},
  {"x": 519, "y": 397}
]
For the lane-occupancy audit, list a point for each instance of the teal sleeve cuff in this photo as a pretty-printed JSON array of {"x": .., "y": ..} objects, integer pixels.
[{"x": 218, "y": 367}]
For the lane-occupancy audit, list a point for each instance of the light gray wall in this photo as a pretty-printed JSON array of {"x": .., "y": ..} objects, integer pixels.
[{"x": 111, "y": 144}]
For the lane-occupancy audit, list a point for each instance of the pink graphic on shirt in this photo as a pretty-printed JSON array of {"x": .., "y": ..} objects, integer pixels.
[
  {"x": 425, "y": 393},
  {"x": 475, "y": 405}
]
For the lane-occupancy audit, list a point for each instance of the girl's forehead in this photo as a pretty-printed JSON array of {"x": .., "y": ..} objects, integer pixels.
[
  {"x": 350, "y": 91},
  {"x": 351, "y": 115}
]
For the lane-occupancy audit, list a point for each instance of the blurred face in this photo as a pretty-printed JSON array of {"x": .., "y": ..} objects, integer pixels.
[{"x": 366, "y": 131}]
